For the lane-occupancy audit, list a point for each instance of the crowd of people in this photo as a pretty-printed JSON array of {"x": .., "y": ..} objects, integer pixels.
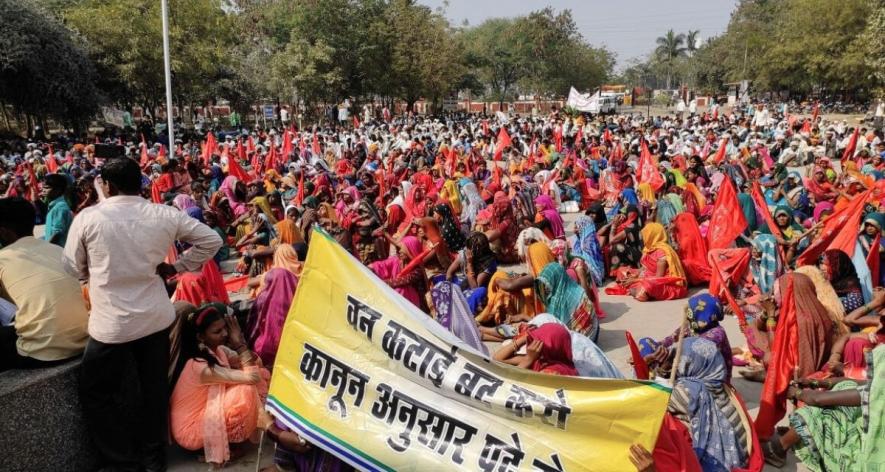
[{"x": 757, "y": 214}]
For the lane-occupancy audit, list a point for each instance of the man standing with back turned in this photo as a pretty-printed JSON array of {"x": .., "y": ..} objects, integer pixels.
[{"x": 118, "y": 248}]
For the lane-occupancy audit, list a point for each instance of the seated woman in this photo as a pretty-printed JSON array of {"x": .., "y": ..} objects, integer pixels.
[
  {"x": 711, "y": 409},
  {"x": 840, "y": 271},
  {"x": 661, "y": 276},
  {"x": 219, "y": 389},
  {"x": 512, "y": 298},
  {"x": 287, "y": 228},
  {"x": 413, "y": 285},
  {"x": 873, "y": 224},
  {"x": 548, "y": 350},
  {"x": 840, "y": 427},
  {"x": 624, "y": 243},
  {"x": 576, "y": 268},
  {"x": 793, "y": 233},
  {"x": 566, "y": 300},
  {"x": 548, "y": 218},
  {"x": 268, "y": 314},
  {"x": 475, "y": 266},
  {"x": 848, "y": 351},
  {"x": 704, "y": 312}
]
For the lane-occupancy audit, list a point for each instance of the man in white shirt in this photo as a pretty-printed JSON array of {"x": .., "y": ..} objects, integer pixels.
[{"x": 118, "y": 248}]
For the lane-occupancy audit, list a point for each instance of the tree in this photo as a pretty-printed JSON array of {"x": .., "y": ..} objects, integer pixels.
[
  {"x": 125, "y": 42},
  {"x": 872, "y": 42},
  {"x": 670, "y": 46},
  {"x": 494, "y": 51},
  {"x": 44, "y": 69}
]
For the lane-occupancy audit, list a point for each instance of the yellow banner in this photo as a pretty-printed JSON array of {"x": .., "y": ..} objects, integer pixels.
[{"x": 367, "y": 376}]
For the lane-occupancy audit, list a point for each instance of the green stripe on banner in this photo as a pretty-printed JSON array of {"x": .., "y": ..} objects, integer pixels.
[{"x": 331, "y": 437}]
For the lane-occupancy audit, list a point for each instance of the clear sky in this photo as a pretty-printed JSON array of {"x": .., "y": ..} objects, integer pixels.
[{"x": 626, "y": 27}]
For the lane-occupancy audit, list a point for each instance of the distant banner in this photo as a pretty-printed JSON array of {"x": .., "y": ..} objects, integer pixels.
[
  {"x": 113, "y": 116},
  {"x": 583, "y": 101},
  {"x": 368, "y": 377}
]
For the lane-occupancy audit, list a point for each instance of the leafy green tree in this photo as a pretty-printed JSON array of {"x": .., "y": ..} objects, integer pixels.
[{"x": 44, "y": 69}]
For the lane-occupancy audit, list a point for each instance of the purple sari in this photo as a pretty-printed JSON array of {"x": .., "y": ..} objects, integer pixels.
[
  {"x": 269, "y": 312},
  {"x": 454, "y": 314}
]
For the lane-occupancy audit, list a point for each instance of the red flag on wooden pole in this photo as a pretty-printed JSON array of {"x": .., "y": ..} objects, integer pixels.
[{"x": 727, "y": 220}]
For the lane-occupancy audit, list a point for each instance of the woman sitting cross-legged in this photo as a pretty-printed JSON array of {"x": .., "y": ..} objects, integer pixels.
[{"x": 220, "y": 386}]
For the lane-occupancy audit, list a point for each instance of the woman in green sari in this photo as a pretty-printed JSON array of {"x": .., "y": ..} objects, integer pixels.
[{"x": 842, "y": 429}]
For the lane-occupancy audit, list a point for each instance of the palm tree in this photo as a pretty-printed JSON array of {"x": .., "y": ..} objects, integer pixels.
[
  {"x": 670, "y": 46},
  {"x": 692, "y": 43}
]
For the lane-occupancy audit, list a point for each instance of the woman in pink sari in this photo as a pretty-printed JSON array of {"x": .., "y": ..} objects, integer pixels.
[
  {"x": 220, "y": 388},
  {"x": 548, "y": 218},
  {"x": 412, "y": 285},
  {"x": 265, "y": 325}
]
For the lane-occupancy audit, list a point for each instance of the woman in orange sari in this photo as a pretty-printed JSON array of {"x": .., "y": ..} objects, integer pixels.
[
  {"x": 661, "y": 276},
  {"x": 220, "y": 388}
]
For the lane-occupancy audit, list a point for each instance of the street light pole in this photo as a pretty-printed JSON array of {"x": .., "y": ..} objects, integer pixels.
[{"x": 170, "y": 130}]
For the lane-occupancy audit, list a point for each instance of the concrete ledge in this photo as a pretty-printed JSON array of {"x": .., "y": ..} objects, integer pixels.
[{"x": 41, "y": 420}]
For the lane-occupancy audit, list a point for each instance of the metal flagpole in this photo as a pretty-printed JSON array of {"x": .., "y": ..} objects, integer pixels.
[{"x": 170, "y": 131}]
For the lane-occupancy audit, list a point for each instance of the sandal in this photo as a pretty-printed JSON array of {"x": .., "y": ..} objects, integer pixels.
[
  {"x": 774, "y": 453},
  {"x": 753, "y": 375}
]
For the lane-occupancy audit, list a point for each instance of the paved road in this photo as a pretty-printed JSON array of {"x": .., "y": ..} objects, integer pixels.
[{"x": 654, "y": 319}]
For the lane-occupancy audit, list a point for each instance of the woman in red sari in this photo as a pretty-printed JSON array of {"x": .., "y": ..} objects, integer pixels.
[{"x": 660, "y": 276}]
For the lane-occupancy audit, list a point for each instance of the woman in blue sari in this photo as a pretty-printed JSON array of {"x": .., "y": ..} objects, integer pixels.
[{"x": 710, "y": 408}]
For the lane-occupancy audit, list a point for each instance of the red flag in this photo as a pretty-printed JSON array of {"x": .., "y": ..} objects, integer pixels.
[
  {"x": 729, "y": 265},
  {"x": 162, "y": 153},
  {"x": 852, "y": 146},
  {"x": 315, "y": 145},
  {"x": 617, "y": 152},
  {"x": 833, "y": 237},
  {"x": 784, "y": 359},
  {"x": 211, "y": 145},
  {"x": 720, "y": 153},
  {"x": 51, "y": 163},
  {"x": 250, "y": 144},
  {"x": 287, "y": 146},
  {"x": 234, "y": 169},
  {"x": 648, "y": 170},
  {"x": 33, "y": 193},
  {"x": 497, "y": 174},
  {"x": 762, "y": 207},
  {"x": 806, "y": 127},
  {"x": 270, "y": 162},
  {"x": 301, "y": 188},
  {"x": 502, "y": 142},
  {"x": 640, "y": 367},
  {"x": 606, "y": 135},
  {"x": 557, "y": 138},
  {"x": 356, "y": 122},
  {"x": 815, "y": 112},
  {"x": 873, "y": 261},
  {"x": 727, "y": 220}
]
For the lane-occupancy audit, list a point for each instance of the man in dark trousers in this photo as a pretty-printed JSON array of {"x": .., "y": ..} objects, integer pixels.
[{"x": 118, "y": 247}]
